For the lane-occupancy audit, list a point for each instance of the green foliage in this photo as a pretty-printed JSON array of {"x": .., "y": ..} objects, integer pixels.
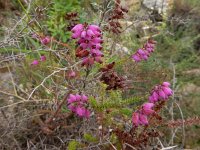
[
  {"x": 90, "y": 138},
  {"x": 114, "y": 100},
  {"x": 126, "y": 111},
  {"x": 57, "y": 24},
  {"x": 72, "y": 145}
]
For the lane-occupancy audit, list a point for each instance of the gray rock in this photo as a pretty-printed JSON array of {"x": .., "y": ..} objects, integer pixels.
[{"x": 161, "y": 5}]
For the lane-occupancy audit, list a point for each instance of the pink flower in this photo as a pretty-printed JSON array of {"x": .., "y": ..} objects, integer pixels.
[
  {"x": 160, "y": 92},
  {"x": 46, "y": 40},
  {"x": 77, "y": 104},
  {"x": 96, "y": 52},
  {"x": 166, "y": 84},
  {"x": 167, "y": 91},
  {"x": 88, "y": 61},
  {"x": 155, "y": 96},
  {"x": 77, "y": 28},
  {"x": 83, "y": 34},
  {"x": 135, "y": 118},
  {"x": 144, "y": 53},
  {"x": 98, "y": 59},
  {"x": 43, "y": 58},
  {"x": 72, "y": 74},
  {"x": 84, "y": 98},
  {"x": 94, "y": 28},
  {"x": 78, "y": 97},
  {"x": 151, "y": 99},
  {"x": 35, "y": 62},
  {"x": 147, "y": 108},
  {"x": 136, "y": 58},
  {"x": 87, "y": 114},
  {"x": 72, "y": 98},
  {"x": 90, "y": 33},
  {"x": 89, "y": 39},
  {"x": 72, "y": 107},
  {"x": 140, "y": 117},
  {"x": 143, "y": 119},
  {"x": 141, "y": 52},
  {"x": 82, "y": 112}
]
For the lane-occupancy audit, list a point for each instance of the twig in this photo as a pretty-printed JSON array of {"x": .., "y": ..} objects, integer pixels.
[
  {"x": 50, "y": 75},
  {"x": 130, "y": 146}
]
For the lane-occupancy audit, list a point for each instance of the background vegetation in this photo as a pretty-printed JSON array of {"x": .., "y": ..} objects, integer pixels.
[{"x": 176, "y": 58}]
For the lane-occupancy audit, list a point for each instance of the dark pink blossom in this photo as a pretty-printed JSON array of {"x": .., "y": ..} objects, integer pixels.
[
  {"x": 45, "y": 40},
  {"x": 43, "y": 58},
  {"x": 160, "y": 92},
  {"x": 72, "y": 74},
  {"x": 89, "y": 39},
  {"x": 84, "y": 98},
  {"x": 144, "y": 53},
  {"x": 143, "y": 119},
  {"x": 147, "y": 108},
  {"x": 71, "y": 99},
  {"x": 77, "y": 104},
  {"x": 135, "y": 119},
  {"x": 35, "y": 62},
  {"x": 167, "y": 84},
  {"x": 140, "y": 117}
]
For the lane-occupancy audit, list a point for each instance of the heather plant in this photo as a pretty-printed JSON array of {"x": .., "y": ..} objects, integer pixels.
[{"x": 83, "y": 94}]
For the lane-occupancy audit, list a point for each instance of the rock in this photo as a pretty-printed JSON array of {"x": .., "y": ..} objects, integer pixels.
[
  {"x": 121, "y": 49},
  {"x": 160, "y": 5},
  {"x": 195, "y": 72},
  {"x": 132, "y": 5},
  {"x": 190, "y": 88}
]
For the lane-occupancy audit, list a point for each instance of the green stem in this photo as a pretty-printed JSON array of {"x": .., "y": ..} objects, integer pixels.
[{"x": 24, "y": 9}]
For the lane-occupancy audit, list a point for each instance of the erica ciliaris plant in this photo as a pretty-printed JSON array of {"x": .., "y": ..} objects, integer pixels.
[{"x": 88, "y": 90}]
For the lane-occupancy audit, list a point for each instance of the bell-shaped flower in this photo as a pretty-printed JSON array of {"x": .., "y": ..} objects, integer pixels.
[
  {"x": 77, "y": 28},
  {"x": 135, "y": 118},
  {"x": 72, "y": 107},
  {"x": 167, "y": 84},
  {"x": 147, "y": 108},
  {"x": 162, "y": 94},
  {"x": 84, "y": 98},
  {"x": 167, "y": 91},
  {"x": 71, "y": 99},
  {"x": 43, "y": 58},
  {"x": 78, "y": 97},
  {"x": 72, "y": 74},
  {"x": 46, "y": 40},
  {"x": 143, "y": 119},
  {"x": 144, "y": 53},
  {"x": 136, "y": 58},
  {"x": 35, "y": 62}
]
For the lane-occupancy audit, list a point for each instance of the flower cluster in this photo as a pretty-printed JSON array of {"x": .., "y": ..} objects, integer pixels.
[
  {"x": 160, "y": 92},
  {"x": 89, "y": 41},
  {"x": 77, "y": 104},
  {"x": 144, "y": 53},
  {"x": 43, "y": 39},
  {"x": 140, "y": 116},
  {"x": 36, "y": 62}
]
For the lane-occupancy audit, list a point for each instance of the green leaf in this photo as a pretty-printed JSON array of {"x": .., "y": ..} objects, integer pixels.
[
  {"x": 89, "y": 138},
  {"x": 72, "y": 145}
]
